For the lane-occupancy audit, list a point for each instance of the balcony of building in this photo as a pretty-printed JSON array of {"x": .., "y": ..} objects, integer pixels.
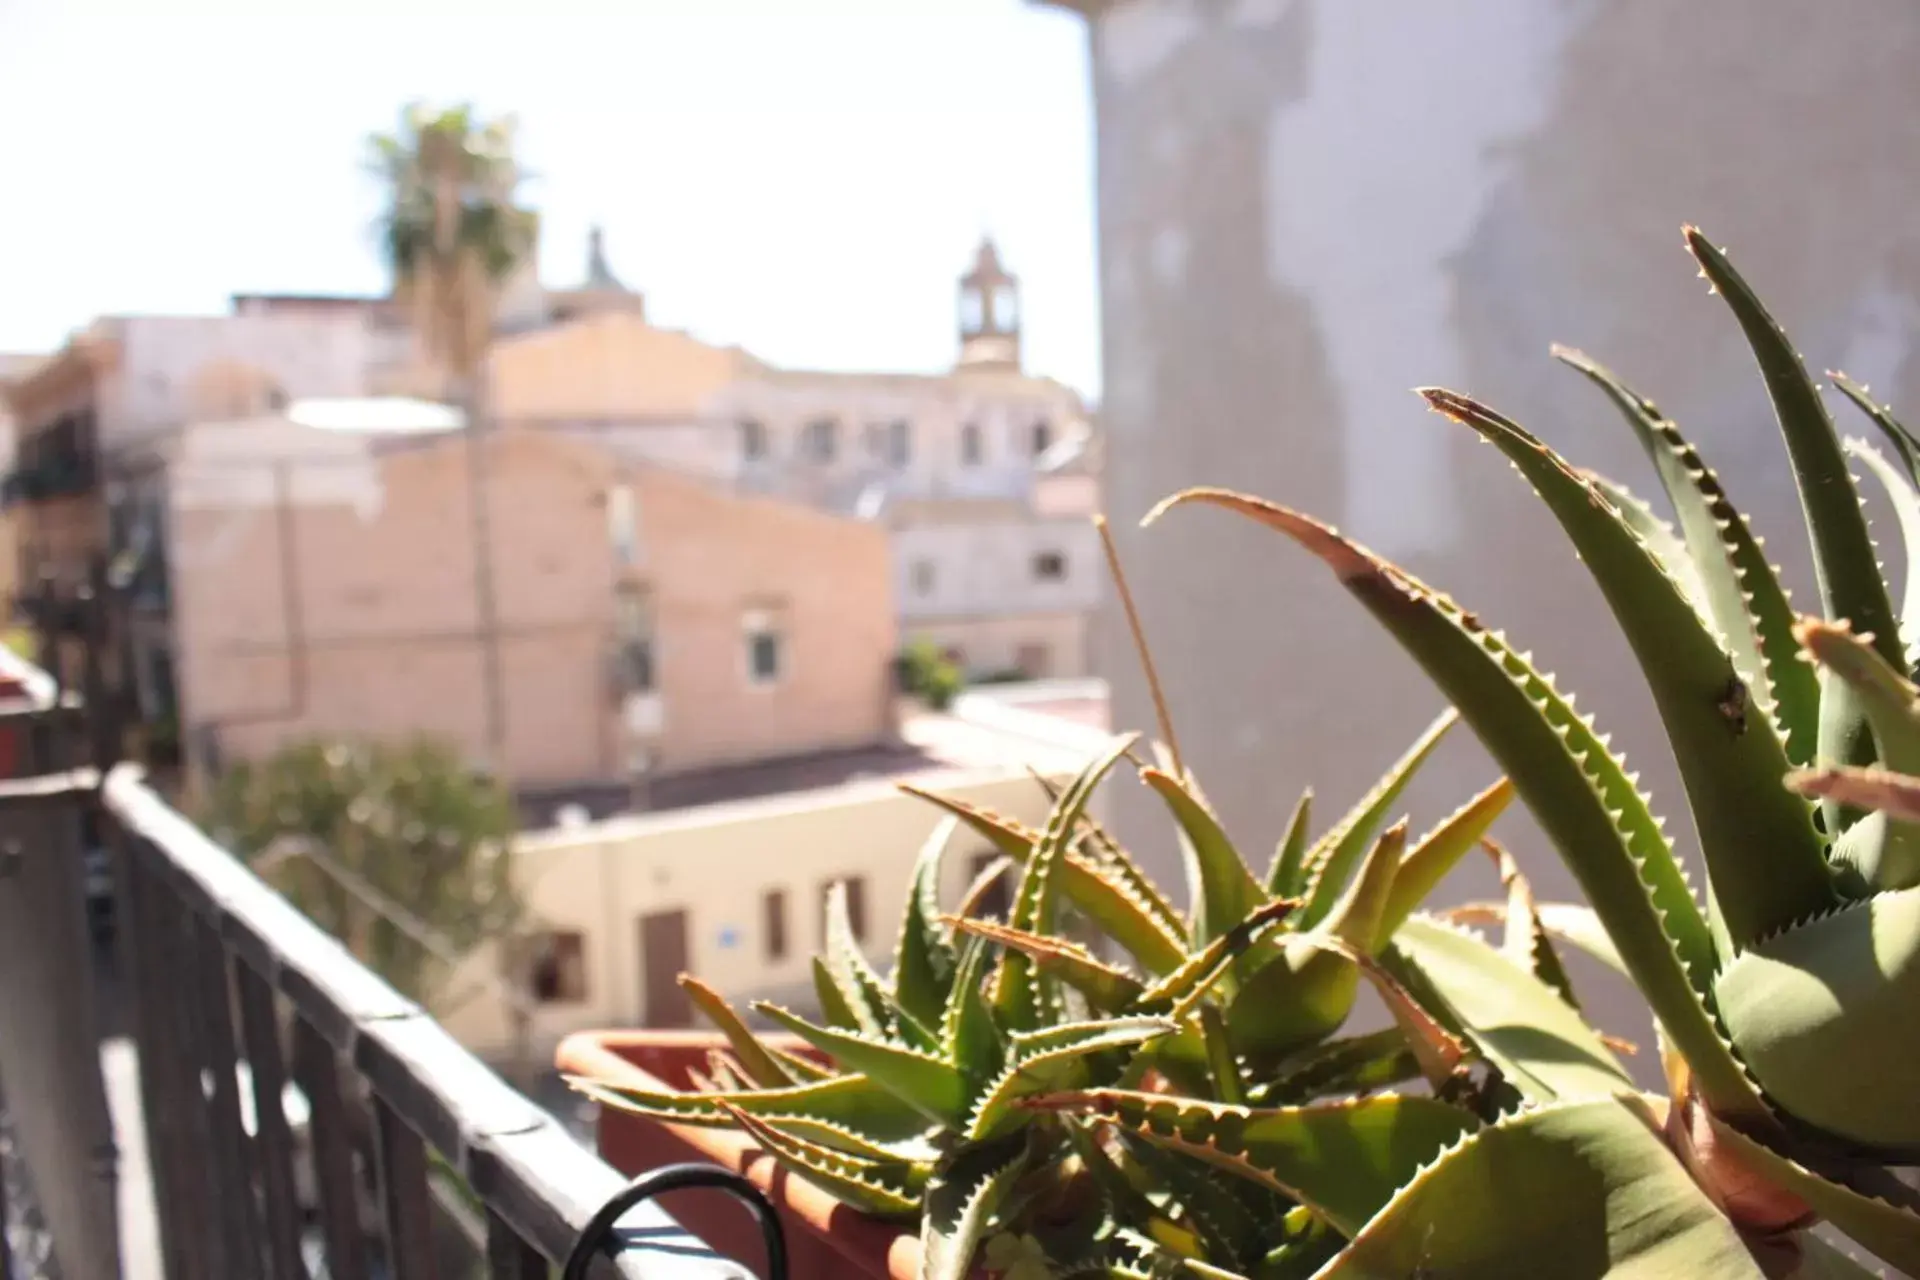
[{"x": 196, "y": 1082}]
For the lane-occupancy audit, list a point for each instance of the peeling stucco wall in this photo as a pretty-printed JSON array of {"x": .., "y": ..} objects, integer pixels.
[{"x": 1308, "y": 207}]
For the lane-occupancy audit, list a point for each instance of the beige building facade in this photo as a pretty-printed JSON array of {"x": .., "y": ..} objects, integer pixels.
[{"x": 321, "y": 570}]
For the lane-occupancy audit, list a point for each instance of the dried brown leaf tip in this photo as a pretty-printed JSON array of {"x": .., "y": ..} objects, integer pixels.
[{"x": 1348, "y": 560}]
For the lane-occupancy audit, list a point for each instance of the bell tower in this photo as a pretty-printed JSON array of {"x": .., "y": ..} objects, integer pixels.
[{"x": 989, "y": 313}]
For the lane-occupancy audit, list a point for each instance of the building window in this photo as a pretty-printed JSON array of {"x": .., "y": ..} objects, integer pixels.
[
  {"x": 922, "y": 574},
  {"x": 856, "y": 904},
  {"x": 559, "y": 969},
  {"x": 1049, "y": 566},
  {"x": 753, "y": 439},
  {"x": 995, "y": 900},
  {"x": 774, "y": 907},
  {"x": 765, "y": 656},
  {"x": 623, "y": 525},
  {"x": 1042, "y": 437},
  {"x": 823, "y": 439},
  {"x": 899, "y": 442},
  {"x": 633, "y": 639},
  {"x": 970, "y": 444}
]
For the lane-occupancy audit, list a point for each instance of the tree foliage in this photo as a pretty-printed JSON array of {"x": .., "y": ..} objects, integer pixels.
[{"x": 410, "y": 821}]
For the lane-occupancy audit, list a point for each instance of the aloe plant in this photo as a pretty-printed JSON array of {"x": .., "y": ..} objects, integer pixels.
[
  {"x": 1786, "y": 998},
  {"x": 974, "y": 1086}
]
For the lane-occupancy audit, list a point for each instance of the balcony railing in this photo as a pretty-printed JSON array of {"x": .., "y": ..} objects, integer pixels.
[{"x": 171, "y": 1149}]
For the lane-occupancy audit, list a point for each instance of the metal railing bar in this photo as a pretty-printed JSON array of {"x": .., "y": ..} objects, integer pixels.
[
  {"x": 405, "y": 1204},
  {"x": 49, "y": 789},
  {"x": 171, "y": 1114},
  {"x": 273, "y": 1139},
  {"x": 444, "y": 1092},
  {"x": 234, "y": 1205},
  {"x": 508, "y": 1256},
  {"x": 311, "y": 968},
  {"x": 317, "y": 1070}
]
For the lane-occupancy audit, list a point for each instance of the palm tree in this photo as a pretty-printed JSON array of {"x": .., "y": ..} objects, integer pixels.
[{"x": 452, "y": 233}]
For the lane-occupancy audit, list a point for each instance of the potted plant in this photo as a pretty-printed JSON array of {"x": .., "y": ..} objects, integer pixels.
[{"x": 927, "y": 1124}]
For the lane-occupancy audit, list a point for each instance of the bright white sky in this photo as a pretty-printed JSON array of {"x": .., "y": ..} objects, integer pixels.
[{"x": 808, "y": 187}]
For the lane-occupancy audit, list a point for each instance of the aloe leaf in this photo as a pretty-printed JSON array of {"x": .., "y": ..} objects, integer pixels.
[
  {"x": 1437, "y": 1051},
  {"x": 1824, "y": 1017},
  {"x": 1577, "y": 790},
  {"x": 1526, "y": 941},
  {"x": 1332, "y": 858},
  {"x": 1051, "y": 1060},
  {"x": 1227, "y": 890},
  {"x": 1541, "y": 1044},
  {"x": 1843, "y": 556},
  {"x": 884, "y": 1190},
  {"x": 1888, "y": 1227},
  {"x": 1016, "y": 998},
  {"x": 835, "y": 1007},
  {"x": 1100, "y": 890},
  {"x": 960, "y": 1203},
  {"x": 1906, "y": 512},
  {"x": 1766, "y": 865},
  {"x": 1743, "y": 592},
  {"x": 1357, "y": 918},
  {"x": 847, "y": 965},
  {"x": 1351, "y": 1064},
  {"x": 1570, "y": 922},
  {"x": 922, "y": 957},
  {"x": 1342, "y": 1159},
  {"x": 1225, "y": 1225},
  {"x": 1588, "y": 1185},
  {"x": 756, "y": 1059},
  {"x": 968, "y": 1037},
  {"x": 1881, "y": 790},
  {"x": 1287, "y": 876},
  {"x": 851, "y": 1101},
  {"x": 1108, "y": 989},
  {"x": 1903, "y": 441},
  {"x": 1177, "y": 991},
  {"x": 1703, "y": 512},
  {"x": 932, "y": 1085},
  {"x": 1437, "y": 853},
  {"x": 1666, "y": 546},
  {"x": 1891, "y": 701}
]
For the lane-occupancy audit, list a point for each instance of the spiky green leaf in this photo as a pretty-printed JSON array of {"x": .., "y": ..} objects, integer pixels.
[
  {"x": 1108, "y": 989},
  {"x": 1331, "y": 860},
  {"x": 1824, "y": 1017},
  {"x": 1666, "y": 546},
  {"x": 1904, "y": 443},
  {"x": 961, "y": 1201},
  {"x": 759, "y": 1062},
  {"x": 1766, "y": 866},
  {"x": 1843, "y": 557},
  {"x": 1906, "y": 513},
  {"x": 923, "y": 959},
  {"x": 1226, "y": 888},
  {"x": 1439, "y": 852},
  {"x": 1580, "y": 1191},
  {"x": 1577, "y": 790},
  {"x": 1884, "y": 1218},
  {"x": 887, "y": 1190},
  {"x": 1350, "y": 1064},
  {"x": 852, "y": 1101},
  {"x": 1287, "y": 876},
  {"x": 1517, "y": 1022},
  {"x": 931, "y": 1085},
  {"x": 1054, "y": 1059},
  {"x": 1343, "y": 1159}
]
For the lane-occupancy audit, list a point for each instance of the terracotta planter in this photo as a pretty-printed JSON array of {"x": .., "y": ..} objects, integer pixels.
[{"x": 827, "y": 1240}]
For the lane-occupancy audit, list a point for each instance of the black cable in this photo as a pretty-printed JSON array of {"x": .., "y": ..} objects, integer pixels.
[{"x": 678, "y": 1177}]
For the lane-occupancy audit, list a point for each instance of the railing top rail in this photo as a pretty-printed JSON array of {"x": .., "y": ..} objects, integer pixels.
[{"x": 517, "y": 1158}]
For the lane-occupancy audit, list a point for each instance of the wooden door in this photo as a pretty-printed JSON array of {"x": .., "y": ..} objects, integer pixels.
[{"x": 663, "y": 958}]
